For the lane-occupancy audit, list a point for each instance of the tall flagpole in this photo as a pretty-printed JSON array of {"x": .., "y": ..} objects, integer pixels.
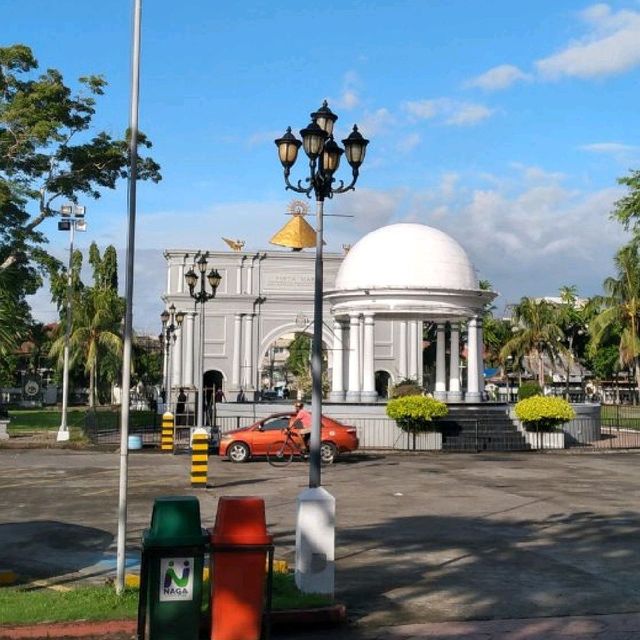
[{"x": 128, "y": 316}]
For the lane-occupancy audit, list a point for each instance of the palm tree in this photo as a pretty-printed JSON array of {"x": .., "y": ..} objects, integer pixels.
[
  {"x": 94, "y": 332},
  {"x": 621, "y": 308},
  {"x": 537, "y": 334}
]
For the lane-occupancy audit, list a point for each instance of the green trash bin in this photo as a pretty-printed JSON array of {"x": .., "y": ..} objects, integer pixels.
[{"x": 173, "y": 551}]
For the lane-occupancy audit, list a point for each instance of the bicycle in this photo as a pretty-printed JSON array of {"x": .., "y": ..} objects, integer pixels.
[{"x": 281, "y": 454}]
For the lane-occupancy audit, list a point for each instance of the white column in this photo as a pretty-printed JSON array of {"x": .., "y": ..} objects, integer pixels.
[
  {"x": 361, "y": 350},
  {"x": 353, "y": 392},
  {"x": 454, "y": 394},
  {"x": 402, "y": 365},
  {"x": 177, "y": 358},
  {"x": 247, "y": 365},
  {"x": 249, "y": 277},
  {"x": 239, "y": 276},
  {"x": 368, "y": 370},
  {"x": 181, "y": 276},
  {"x": 337, "y": 373},
  {"x": 473, "y": 394},
  {"x": 189, "y": 319},
  {"x": 480, "y": 340},
  {"x": 236, "y": 356},
  {"x": 440, "y": 391},
  {"x": 169, "y": 276},
  {"x": 413, "y": 350},
  {"x": 419, "y": 334}
]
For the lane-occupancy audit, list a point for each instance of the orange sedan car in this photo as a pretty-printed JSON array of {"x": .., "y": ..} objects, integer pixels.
[{"x": 241, "y": 444}]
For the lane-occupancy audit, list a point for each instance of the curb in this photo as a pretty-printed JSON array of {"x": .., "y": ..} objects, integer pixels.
[{"x": 288, "y": 619}]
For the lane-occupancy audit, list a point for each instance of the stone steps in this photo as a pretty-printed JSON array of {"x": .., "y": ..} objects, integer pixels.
[{"x": 480, "y": 428}]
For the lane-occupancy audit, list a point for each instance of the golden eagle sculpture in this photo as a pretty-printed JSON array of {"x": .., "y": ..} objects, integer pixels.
[{"x": 236, "y": 245}]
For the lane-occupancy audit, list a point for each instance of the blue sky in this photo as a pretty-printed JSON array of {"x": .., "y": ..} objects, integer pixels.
[{"x": 505, "y": 124}]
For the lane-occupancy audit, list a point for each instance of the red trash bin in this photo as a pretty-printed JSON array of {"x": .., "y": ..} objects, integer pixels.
[{"x": 239, "y": 547}]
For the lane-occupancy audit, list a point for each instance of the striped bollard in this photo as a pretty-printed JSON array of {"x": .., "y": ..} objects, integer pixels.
[
  {"x": 199, "y": 458},
  {"x": 166, "y": 434}
]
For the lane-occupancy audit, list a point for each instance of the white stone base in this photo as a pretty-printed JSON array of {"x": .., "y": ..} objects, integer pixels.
[
  {"x": 315, "y": 541},
  {"x": 3, "y": 429},
  {"x": 62, "y": 436},
  {"x": 336, "y": 396}
]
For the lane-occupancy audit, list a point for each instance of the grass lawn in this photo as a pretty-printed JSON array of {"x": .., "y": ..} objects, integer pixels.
[
  {"x": 621, "y": 416},
  {"x": 32, "y": 420},
  {"x": 29, "y": 606}
]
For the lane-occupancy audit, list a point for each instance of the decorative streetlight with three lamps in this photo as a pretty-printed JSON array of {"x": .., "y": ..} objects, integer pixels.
[
  {"x": 324, "y": 158},
  {"x": 315, "y": 529},
  {"x": 201, "y": 297}
]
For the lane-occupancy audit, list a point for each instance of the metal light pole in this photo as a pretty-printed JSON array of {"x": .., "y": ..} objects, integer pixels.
[
  {"x": 128, "y": 314},
  {"x": 201, "y": 297},
  {"x": 72, "y": 221},
  {"x": 171, "y": 321},
  {"x": 324, "y": 159}
]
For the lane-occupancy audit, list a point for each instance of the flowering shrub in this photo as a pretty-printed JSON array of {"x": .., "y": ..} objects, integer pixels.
[
  {"x": 414, "y": 413},
  {"x": 544, "y": 413}
]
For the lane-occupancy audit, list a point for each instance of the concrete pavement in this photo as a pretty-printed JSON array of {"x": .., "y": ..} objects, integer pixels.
[{"x": 436, "y": 542}]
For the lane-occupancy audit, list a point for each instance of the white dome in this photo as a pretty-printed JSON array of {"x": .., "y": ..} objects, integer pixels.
[{"x": 406, "y": 255}]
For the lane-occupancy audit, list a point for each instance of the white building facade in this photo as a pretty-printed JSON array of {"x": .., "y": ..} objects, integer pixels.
[{"x": 377, "y": 299}]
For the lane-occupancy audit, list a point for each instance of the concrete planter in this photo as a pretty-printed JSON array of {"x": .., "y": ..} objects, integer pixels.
[{"x": 544, "y": 439}]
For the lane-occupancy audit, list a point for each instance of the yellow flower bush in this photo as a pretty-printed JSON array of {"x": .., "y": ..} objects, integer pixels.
[
  {"x": 414, "y": 413},
  {"x": 544, "y": 413}
]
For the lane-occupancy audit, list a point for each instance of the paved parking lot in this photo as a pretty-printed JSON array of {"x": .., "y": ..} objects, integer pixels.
[{"x": 420, "y": 539}]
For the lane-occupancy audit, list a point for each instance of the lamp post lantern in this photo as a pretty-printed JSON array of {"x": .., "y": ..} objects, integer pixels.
[
  {"x": 315, "y": 528},
  {"x": 324, "y": 159},
  {"x": 72, "y": 220},
  {"x": 201, "y": 297}
]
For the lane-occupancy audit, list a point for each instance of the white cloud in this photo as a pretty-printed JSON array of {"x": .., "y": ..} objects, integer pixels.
[
  {"x": 611, "y": 45},
  {"x": 451, "y": 112},
  {"x": 613, "y": 148},
  {"x": 467, "y": 114},
  {"x": 373, "y": 123},
  {"x": 409, "y": 142},
  {"x": 499, "y": 77},
  {"x": 350, "y": 96}
]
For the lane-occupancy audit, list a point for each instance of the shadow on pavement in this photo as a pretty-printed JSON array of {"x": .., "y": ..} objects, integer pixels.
[
  {"x": 411, "y": 569},
  {"x": 44, "y": 549}
]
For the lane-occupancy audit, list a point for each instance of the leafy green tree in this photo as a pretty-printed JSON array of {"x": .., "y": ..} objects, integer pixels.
[
  {"x": 538, "y": 334},
  {"x": 621, "y": 309},
  {"x": 95, "y": 340},
  {"x": 299, "y": 360},
  {"x": 627, "y": 209},
  {"x": 47, "y": 154}
]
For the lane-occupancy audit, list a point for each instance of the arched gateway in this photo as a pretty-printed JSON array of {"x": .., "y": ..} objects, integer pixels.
[{"x": 376, "y": 300}]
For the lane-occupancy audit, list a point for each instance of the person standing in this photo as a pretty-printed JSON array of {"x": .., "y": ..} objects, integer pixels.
[{"x": 182, "y": 399}]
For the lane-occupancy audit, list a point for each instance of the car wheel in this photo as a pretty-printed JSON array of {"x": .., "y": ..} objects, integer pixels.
[
  {"x": 328, "y": 452},
  {"x": 238, "y": 452}
]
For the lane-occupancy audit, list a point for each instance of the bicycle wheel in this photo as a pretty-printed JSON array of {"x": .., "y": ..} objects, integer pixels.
[{"x": 280, "y": 454}]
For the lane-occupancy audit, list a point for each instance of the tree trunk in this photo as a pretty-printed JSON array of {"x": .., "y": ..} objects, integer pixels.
[
  {"x": 92, "y": 387},
  {"x": 540, "y": 371}
]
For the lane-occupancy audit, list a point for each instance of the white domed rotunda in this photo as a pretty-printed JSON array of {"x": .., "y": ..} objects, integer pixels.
[{"x": 402, "y": 275}]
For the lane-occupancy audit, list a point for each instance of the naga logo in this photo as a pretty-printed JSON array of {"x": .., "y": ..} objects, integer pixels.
[{"x": 177, "y": 579}]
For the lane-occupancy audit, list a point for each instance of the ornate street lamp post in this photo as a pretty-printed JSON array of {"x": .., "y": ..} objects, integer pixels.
[
  {"x": 324, "y": 158},
  {"x": 171, "y": 321},
  {"x": 315, "y": 529},
  {"x": 201, "y": 297}
]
